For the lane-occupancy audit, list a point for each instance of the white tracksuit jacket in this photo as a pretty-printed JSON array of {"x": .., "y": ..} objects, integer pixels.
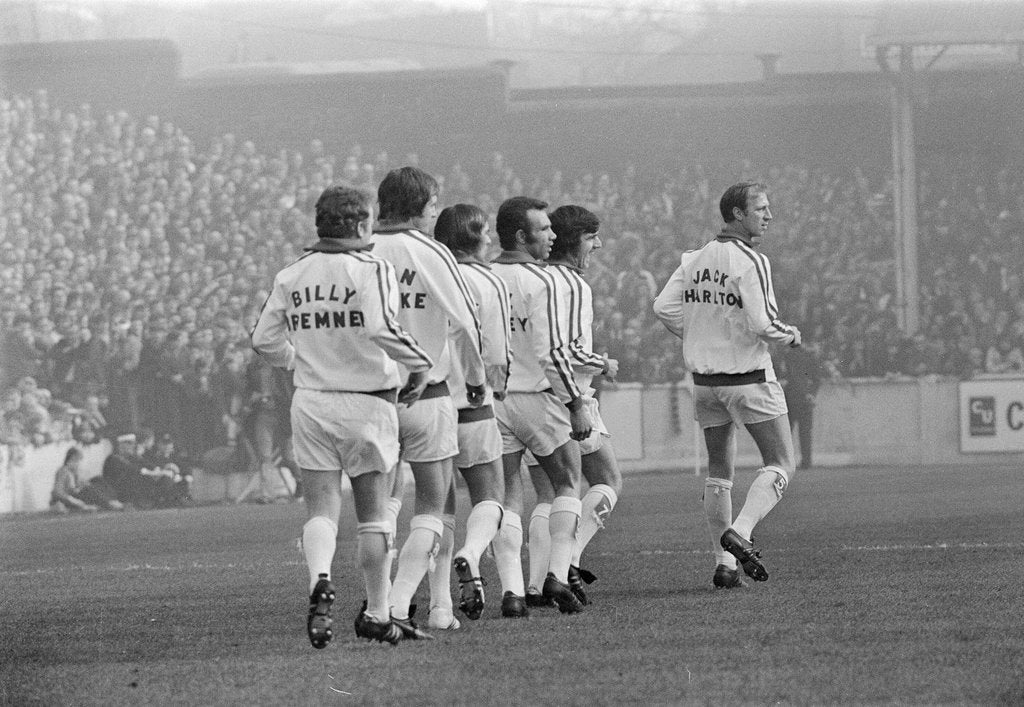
[
  {"x": 540, "y": 352},
  {"x": 721, "y": 302},
  {"x": 491, "y": 297},
  {"x": 436, "y": 306},
  {"x": 332, "y": 317}
]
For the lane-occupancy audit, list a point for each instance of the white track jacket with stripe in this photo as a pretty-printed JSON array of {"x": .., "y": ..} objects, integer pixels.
[
  {"x": 436, "y": 305},
  {"x": 332, "y": 316},
  {"x": 491, "y": 297},
  {"x": 578, "y": 309},
  {"x": 540, "y": 351},
  {"x": 721, "y": 302}
]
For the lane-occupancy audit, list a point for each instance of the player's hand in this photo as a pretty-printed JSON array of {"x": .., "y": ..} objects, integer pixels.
[
  {"x": 499, "y": 395},
  {"x": 475, "y": 395},
  {"x": 581, "y": 424},
  {"x": 413, "y": 388},
  {"x": 611, "y": 368},
  {"x": 797, "y": 338}
]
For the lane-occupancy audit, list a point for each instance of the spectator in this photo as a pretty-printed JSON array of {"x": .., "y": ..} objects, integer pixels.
[
  {"x": 71, "y": 494},
  {"x": 164, "y": 458},
  {"x": 19, "y": 355},
  {"x": 1004, "y": 355},
  {"x": 131, "y": 482},
  {"x": 122, "y": 363}
]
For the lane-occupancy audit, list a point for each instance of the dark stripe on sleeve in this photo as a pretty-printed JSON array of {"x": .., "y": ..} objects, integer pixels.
[{"x": 561, "y": 364}]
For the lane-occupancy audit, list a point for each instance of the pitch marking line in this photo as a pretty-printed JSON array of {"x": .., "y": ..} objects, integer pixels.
[
  {"x": 931, "y": 546},
  {"x": 644, "y": 553}
]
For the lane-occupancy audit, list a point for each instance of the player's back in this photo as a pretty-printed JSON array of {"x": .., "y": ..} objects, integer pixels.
[
  {"x": 491, "y": 297},
  {"x": 327, "y": 300},
  {"x": 430, "y": 289},
  {"x": 724, "y": 298}
]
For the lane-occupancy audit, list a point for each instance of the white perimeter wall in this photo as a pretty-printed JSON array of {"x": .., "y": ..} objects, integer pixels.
[{"x": 857, "y": 422}]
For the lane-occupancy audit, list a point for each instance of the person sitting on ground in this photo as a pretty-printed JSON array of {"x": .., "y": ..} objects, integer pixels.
[
  {"x": 71, "y": 494},
  {"x": 162, "y": 457},
  {"x": 132, "y": 482}
]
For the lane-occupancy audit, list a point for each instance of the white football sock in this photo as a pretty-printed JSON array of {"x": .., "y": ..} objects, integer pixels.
[
  {"x": 372, "y": 545},
  {"x": 539, "y": 545},
  {"x": 718, "y": 510},
  {"x": 319, "y": 539},
  {"x": 508, "y": 553},
  {"x": 597, "y": 505},
  {"x": 414, "y": 560},
  {"x": 392, "y": 507},
  {"x": 565, "y": 517},
  {"x": 764, "y": 493},
  {"x": 440, "y": 574},
  {"x": 481, "y": 527}
]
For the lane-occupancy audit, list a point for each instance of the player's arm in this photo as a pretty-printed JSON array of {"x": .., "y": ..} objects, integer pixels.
[
  {"x": 270, "y": 333},
  {"x": 570, "y": 292},
  {"x": 758, "y": 297},
  {"x": 450, "y": 290},
  {"x": 551, "y": 347},
  {"x": 668, "y": 305},
  {"x": 495, "y": 333}
]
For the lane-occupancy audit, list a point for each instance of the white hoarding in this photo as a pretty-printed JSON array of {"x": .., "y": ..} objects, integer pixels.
[{"x": 992, "y": 415}]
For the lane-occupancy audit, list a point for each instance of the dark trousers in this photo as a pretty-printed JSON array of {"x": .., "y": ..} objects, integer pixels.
[{"x": 801, "y": 417}]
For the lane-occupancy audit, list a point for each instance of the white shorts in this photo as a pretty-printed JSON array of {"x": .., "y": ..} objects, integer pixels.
[
  {"x": 355, "y": 432},
  {"x": 479, "y": 442},
  {"x": 714, "y": 406},
  {"x": 535, "y": 421},
  {"x": 428, "y": 429},
  {"x": 593, "y": 442},
  {"x": 597, "y": 434}
]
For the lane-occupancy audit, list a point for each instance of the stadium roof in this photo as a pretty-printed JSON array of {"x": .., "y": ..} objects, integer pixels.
[{"x": 979, "y": 22}]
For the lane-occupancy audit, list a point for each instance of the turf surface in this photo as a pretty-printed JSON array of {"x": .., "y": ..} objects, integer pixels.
[{"x": 888, "y": 586}]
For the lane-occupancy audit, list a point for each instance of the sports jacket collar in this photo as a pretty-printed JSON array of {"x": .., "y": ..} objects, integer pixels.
[
  {"x": 565, "y": 264},
  {"x": 396, "y": 228},
  {"x": 513, "y": 257},
  {"x": 339, "y": 245},
  {"x": 732, "y": 234},
  {"x": 461, "y": 258}
]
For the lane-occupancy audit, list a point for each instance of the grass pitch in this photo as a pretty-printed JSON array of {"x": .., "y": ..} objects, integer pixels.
[{"x": 888, "y": 586}]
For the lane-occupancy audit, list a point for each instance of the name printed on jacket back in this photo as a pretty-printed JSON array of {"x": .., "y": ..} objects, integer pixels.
[
  {"x": 323, "y": 319},
  {"x": 708, "y": 295},
  {"x": 410, "y": 300}
]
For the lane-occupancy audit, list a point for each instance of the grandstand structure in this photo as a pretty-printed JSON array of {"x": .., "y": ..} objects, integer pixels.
[
  {"x": 901, "y": 37},
  {"x": 649, "y": 157}
]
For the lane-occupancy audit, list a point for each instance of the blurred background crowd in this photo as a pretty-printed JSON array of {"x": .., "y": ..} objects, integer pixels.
[{"x": 133, "y": 262}]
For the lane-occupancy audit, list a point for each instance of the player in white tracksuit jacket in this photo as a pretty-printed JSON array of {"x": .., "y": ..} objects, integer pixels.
[
  {"x": 544, "y": 410},
  {"x": 577, "y": 239},
  {"x": 463, "y": 228},
  {"x": 438, "y": 309},
  {"x": 331, "y": 316},
  {"x": 721, "y": 303}
]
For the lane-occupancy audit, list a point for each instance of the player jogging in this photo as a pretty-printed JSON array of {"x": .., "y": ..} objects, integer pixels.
[
  {"x": 721, "y": 302},
  {"x": 331, "y": 316},
  {"x": 544, "y": 410},
  {"x": 576, "y": 230},
  {"x": 464, "y": 229},
  {"x": 438, "y": 309}
]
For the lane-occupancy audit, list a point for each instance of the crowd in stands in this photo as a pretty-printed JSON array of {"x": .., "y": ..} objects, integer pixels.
[{"x": 133, "y": 262}]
